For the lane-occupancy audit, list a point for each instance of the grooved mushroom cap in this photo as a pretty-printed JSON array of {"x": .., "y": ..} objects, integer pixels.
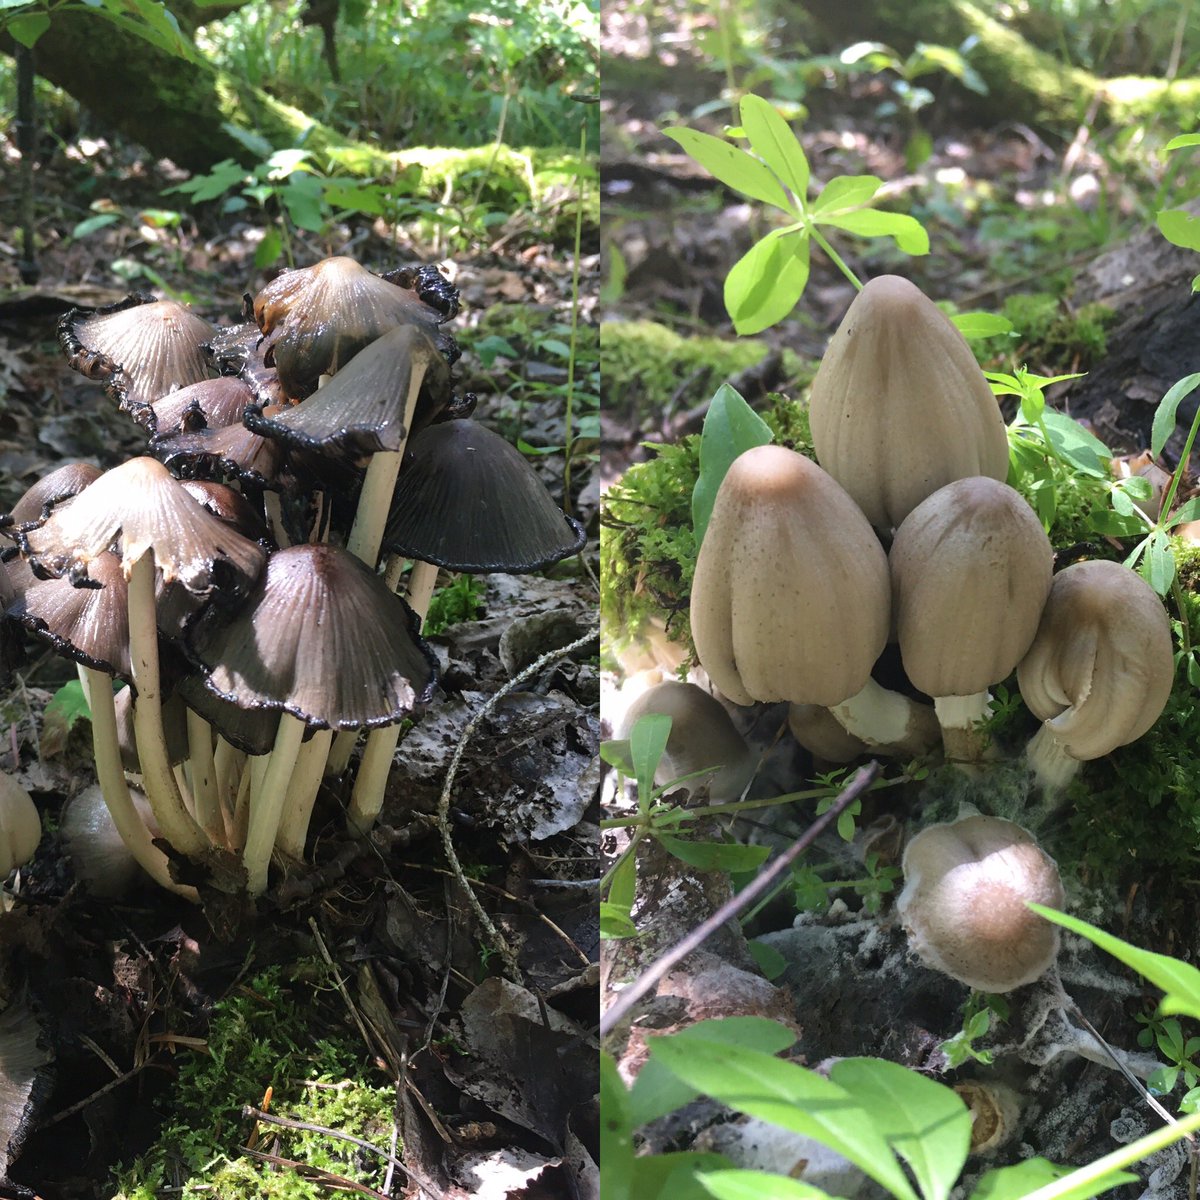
[
  {"x": 899, "y": 407},
  {"x": 360, "y": 411},
  {"x": 468, "y": 501},
  {"x": 141, "y": 348},
  {"x": 140, "y": 507},
  {"x": 790, "y": 599},
  {"x": 20, "y": 825},
  {"x": 316, "y": 319},
  {"x": 323, "y": 638},
  {"x": 67, "y": 481},
  {"x": 971, "y": 568},
  {"x": 210, "y": 404},
  {"x": 963, "y": 903},
  {"x": 1100, "y": 669},
  {"x": 232, "y": 451}
]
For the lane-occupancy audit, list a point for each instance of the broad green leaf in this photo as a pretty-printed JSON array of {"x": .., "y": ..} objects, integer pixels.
[
  {"x": 1083, "y": 450},
  {"x": 623, "y": 885},
  {"x": 1184, "y": 139},
  {"x": 616, "y": 1133},
  {"x": 368, "y": 200},
  {"x": 904, "y": 230},
  {"x": 758, "y": 1185},
  {"x": 91, "y": 224},
  {"x": 846, "y": 191},
  {"x": 1186, "y": 512},
  {"x": 269, "y": 250},
  {"x": 923, "y": 1121},
  {"x": 731, "y": 427},
  {"x": 1179, "y": 980},
  {"x": 616, "y": 753},
  {"x": 732, "y": 166},
  {"x": 774, "y": 142},
  {"x": 770, "y": 962},
  {"x": 861, "y": 50},
  {"x": 1011, "y": 1183},
  {"x": 302, "y": 195},
  {"x": 1168, "y": 407},
  {"x": 716, "y": 856},
  {"x": 1158, "y": 565},
  {"x": 67, "y": 706},
  {"x": 658, "y": 1091},
  {"x": 1110, "y": 524},
  {"x": 787, "y": 1095},
  {"x": 974, "y": 325},
  {"x": 26, "y": 28},
  {"x": 1179, "y": 227},
  {"x": 225, "y": 175},
  {"x": 283, "y": 162},
  {"x": 766, "y": 283},
  {"x": 676, "y": 1176},
  {"x": 647, "y": 744},
  {"x": 615, "y": 922}
]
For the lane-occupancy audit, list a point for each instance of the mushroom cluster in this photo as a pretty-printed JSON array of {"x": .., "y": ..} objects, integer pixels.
[
  {"x": 904, "y": 529},
  {"x": 242, "y": 576}
]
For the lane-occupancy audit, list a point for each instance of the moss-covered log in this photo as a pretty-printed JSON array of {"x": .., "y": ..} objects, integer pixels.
[{"x": 1024, "y": 83}]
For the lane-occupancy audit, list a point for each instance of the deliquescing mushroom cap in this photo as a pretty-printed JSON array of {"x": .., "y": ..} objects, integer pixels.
[
  {"x": 20, "y": 825},
  {"x": 360, "y": 411},
  {"x": 899, "y": 407},
  {"x": 231, "y": 451},
  {"x": 141, "y": 348},
  {"x": 138, "y": 507},
  {"x": 211, "y": 404},
  {"x": 790, "y": 599},
  {"x": 238, "y": 351},
  {"x": 322, "y": 637},
  {"x": 250, "y": 729},
  {"x": 467, "y": 500},
  {"x": 971, "y": 569},
  {"x": 1100, "y": 670},
  {"x": 964, "y": 902},
  {"x": 316, "y": 319},
  {"x": 68, "y": 480}
]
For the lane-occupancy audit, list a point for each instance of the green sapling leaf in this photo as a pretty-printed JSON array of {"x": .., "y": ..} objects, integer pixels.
[
  {"x": 758, "y": 1185},
  {"x": 905, "y": 231},
  {"x": 623, "y": 885},
  {"x": 616, "y": 754},
  {"x": 773, "y": 141},
  {"x": 1011, "y": 1183},
  {"x": 731, "y": 165},
  {"x": 675, "y": 1176},
  {"x": 846, "y": 192},
  {"x": 1158, "y": 565},
  {"x": 615, "y": 922},
  {"x": 616, "y": 1132},
  {"x": 1168, "y": 406},
  {"x": 731, "y": 427},
  {"x": 1180, "y": 228},
  {"x": 974, "y": 325},
  {"x": 766, "y": 283},
  {"x": 1184, "y": 513},
  {"x": 647, "y": 744},
  {"x": 716, "y": 856},
  {"x": 1182, "y": 140}
]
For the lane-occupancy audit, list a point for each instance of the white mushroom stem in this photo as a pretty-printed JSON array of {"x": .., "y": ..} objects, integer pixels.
[
  {"x": 302, "y": 794},
  {"x": 266, "y": 803},
  {"x": 204, "y": 777},
  {"x": 107, "y": 753},
  {"x": 227, "y": 763},
  {"x": 176, "y": 824},
  {"x": 366, "y": 800},
  {"x": 958, "y": 716},
  {"x": 1052, "y": 766},
  {"x": 881, "y": 717}
]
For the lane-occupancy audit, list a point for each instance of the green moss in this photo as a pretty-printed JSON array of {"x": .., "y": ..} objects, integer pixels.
[
  {"x": 260, "y": 1036},
  {"x": 1049, "y": 333}
]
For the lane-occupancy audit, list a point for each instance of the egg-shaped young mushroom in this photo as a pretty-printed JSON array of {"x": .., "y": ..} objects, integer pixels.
[
  {"x": 1100, "y": 670},
  {"x": 899, "y": 406},
  {"x": 971, "y": 569},
  {"x": 966, "y": 884},
  {"x": 20, "y": 825}
]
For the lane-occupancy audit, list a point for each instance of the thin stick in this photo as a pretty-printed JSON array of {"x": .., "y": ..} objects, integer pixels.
[{"x": 633, "y": 992}]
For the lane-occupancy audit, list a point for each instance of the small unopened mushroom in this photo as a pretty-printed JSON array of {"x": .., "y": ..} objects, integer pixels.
[
  {"x": 966, "y": 884},
  {"x": 899, "y": 406},
  {"x": 1099, "y": 672},
  {"x": 702, "y": 737},
  {"x": 102, "y": 861},
  {"x": 971, "y": 568},
  {"x": 20, "y": 825}
]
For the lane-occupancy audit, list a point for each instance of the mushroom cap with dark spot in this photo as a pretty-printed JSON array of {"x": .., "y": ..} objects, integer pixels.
[
  {"x": 209, "y": 404},
  {"x": 467, "y": 500},
  {"x": 322, "y": 637},
  {"x": 232, "y": 452}
]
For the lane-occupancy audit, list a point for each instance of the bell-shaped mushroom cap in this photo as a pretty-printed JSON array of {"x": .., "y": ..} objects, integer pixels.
[
  {"x": 1100, "y": 669},
  {"x": 232, "y": 451},
  {"x": 971, "y": 569},
  {"x": 360, "y": 411},
  {"x": 20, "y": 825},
  {"x": 318, "y": 318},
  {"x": 139, "y": 507},
  {"x": 790, "y": 599},
  {"x": 67, "y": 481},
  {"x": 229, "y": 506},
  {"x": 88, "y": 625},
  {"x": 321, "y": 637},
  {"x": 899, "y": 407},
  {"x": 702, "y": 737},
  {"x": 966, "y": 884},
  {"x": 101, "y": 860},
  {"x": 209, "y": 404},
  {"x": 142, "y": 348},
  {"x": 466, "y": 500}
]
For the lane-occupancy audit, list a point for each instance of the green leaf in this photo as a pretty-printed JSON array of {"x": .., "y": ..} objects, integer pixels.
[
  {"x": 369, "y": 200},
  {"x": 658, "y": 1091},
  {"x": 616, "y": 1133},
  {"x": 1185, "y": 512},
  {"x": 732, "y": 166},
  {"x": 225, "y": 175},
  {"x": 269, "y": 250},
  {"x": 1183, "y": 139},
  {"x": 766, "y": 283},
  {"x": 282, "y": 163},
  {"x": 904, "y": 230},
  {"x": 1179, "y": 980},
  {"x": 923, "y": 1121},
  {"x": 1109, "y": 524},
  {"x": 1179, "y": 227},
  {"x": 1158, "y": 565},
  {"x": 731, "y": 427},
  {"x": 1070, "y": 441},
  {"x": 974, "y": 325},
  {"x": 787, "y": 1095},
  {"x": 67, "y": 706},
  {"x": 845, "y": 192},
  {"x": 623, "y": 884},
  {"x": 647, "y": 744},
  {"x": 616, "y": 753},
  {"x": 91, "y": 224},
  {"x": 251, "y": 140},
  {"x": 770, "y": 962},
  {"x": 773, "y": 142},
  {"x": 615, "y": 922},
  {"x": 716, "y": 856},
  {"x": 675, "y": 1176},
  {"x": 26, "y": 28},
  {"x": 758, "y": 1185},
  {"x": 1011, "y": 1183},
  {"x": 1165, "y": 413}
]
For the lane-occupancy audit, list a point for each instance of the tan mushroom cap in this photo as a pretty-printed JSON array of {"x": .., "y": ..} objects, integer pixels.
[
  {"x": 899, "y": 407},
  {"x": 1100, "y": 670},
  {"x": 20, "y": 825},
  {"x": 971, "y": 569},
  {"x": 790, "y": 599},
  {"x": 964, "y": 902}
]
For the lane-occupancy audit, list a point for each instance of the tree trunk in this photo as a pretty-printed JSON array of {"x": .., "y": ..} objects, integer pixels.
[{"x": 1024, "y": 83}]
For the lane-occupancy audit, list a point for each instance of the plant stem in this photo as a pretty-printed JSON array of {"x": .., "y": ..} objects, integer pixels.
[
  {"x": 834, "y": 257},
  {"x": 638, "y": 834}
]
